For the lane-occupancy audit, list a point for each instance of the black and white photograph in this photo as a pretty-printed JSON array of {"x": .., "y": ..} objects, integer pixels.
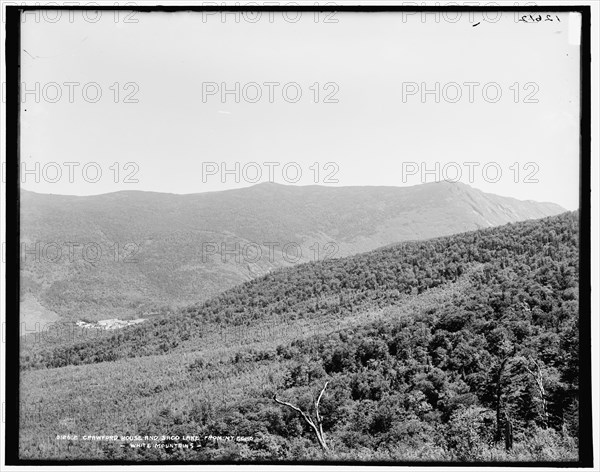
[{"x": 301, "y": 234}]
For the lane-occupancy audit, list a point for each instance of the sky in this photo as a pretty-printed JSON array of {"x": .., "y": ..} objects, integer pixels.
[{"x": 135, "y": 101}]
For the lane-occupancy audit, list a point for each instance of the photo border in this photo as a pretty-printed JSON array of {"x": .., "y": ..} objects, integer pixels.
[{"x": 13, "y": 36}]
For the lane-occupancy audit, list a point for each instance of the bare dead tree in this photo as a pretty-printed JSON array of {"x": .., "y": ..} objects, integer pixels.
[
  {"x": 538, "y": 378},
  {"x": 316, "y": 424}
]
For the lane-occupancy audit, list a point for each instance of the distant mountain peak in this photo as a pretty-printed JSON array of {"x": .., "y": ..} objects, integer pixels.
[{"x": 168, "y": 233}]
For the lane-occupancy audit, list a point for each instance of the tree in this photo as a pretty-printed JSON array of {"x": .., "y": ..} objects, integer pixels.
[
  {"x": 316, "y": 424},
  {"x": 538, "y": 379},
  {"x": 508, "y": 432}
]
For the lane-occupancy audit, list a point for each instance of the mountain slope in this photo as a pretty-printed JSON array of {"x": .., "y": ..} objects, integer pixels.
[
  {"x": 344, "y": 286},
  {"x": 427, "y": 347},
  {"x": 129, "y": 253}
]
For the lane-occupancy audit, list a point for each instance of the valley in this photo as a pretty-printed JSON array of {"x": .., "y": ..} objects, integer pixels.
[{"x": 410, "y": 337}]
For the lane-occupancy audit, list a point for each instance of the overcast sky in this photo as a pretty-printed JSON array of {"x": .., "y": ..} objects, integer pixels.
[{"x": 366, "y": 71}]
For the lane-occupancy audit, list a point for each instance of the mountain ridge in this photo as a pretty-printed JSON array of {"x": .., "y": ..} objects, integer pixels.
[
  {"x": 159, "y": 251},
  {"x": 268, "y": 184}
]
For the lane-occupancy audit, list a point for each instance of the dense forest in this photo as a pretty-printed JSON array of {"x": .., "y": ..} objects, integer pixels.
[{"x": 489, "y": 371}]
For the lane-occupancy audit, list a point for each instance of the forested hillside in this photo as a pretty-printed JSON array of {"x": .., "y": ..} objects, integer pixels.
[
  {"x": 457, "y": 348},
  {"x": 127, "y": 254}
]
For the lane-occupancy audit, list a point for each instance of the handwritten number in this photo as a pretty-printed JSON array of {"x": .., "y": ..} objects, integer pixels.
[{"x": 538, "y": 18}]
